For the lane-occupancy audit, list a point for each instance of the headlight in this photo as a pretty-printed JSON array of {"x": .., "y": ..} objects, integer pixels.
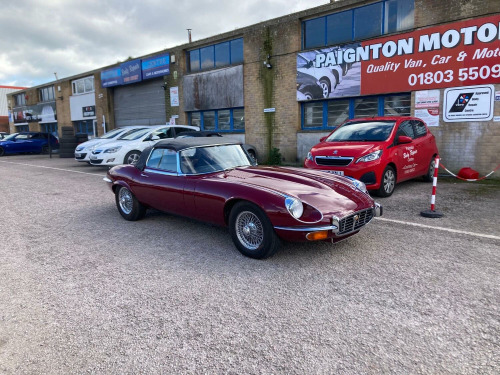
[
  {"x": 80, "y": 148},
  {"x": 370, "y": 157},
  {"x": 112, "y": 150},
  {"x": 359, "y": 185},
  {"x": 309, "y": 156},
  {"x": 294, "y": 206}
]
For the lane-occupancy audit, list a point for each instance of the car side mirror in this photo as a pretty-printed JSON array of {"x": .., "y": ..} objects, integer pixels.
[
  {"x": 403, "y": 139},
  {"x": 322, "y": 139},
  {"x": 154, "y": 138}
]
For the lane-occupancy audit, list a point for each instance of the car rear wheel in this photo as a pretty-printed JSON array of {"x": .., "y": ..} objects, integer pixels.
[
  {"x": 128, "y": 205},
  {"x": 388, "y": 182},
  {"x": 252, "y": 231},
  {"x": 429, "y": 176},
  {"x": 2, "y": 152},
  {"x": 132, "y": 157}
]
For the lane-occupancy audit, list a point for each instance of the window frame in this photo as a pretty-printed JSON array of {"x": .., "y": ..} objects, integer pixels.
[
  {"x": 216, "y": 114},
  {"x": 47, "y": 94},
  {"x": 325, "y": 127},
  {"x": 196, "y": 66},
  {"x": 82, "y": 81},
  {"x": 383, "y": 27}
]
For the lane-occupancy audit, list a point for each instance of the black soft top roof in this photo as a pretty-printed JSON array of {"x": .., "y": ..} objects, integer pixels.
[{"x": 183, "y": 143}]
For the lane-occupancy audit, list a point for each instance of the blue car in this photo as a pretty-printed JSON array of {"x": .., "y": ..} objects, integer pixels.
[{"x": 24, "y": 142}]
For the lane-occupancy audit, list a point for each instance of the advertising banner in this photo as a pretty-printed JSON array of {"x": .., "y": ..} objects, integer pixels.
[
  {"x": 156, "y": 66},
  {"x": 131, "y": 72},
  {"x": 427, "y": 99},
  {"x": 472, "y": 103},
  {"x": 35, "y": 113},
  {"x": 457, "y": 54},
  {"x": 111, "y": 77}
]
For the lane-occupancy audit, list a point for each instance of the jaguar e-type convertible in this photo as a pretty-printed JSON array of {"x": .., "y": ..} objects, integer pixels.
[{"x": 216, "y": 181}]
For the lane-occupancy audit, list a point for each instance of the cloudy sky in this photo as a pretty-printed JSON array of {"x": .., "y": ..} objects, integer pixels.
[{"x": 38, "y": 38}]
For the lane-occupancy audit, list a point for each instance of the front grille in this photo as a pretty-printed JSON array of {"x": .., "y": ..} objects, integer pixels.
[
  {"x": 82, "y": 156},
  {"x": 339, "y": 161},
  {"x": 355, "y": 221},
  {"x": 96, "y": 161}
]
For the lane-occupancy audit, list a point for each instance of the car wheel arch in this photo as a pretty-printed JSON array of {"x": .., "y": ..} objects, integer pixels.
[{"x": 230, "y": 203}]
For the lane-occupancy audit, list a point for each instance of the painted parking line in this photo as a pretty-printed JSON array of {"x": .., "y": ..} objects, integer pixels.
[
  {"x": 439, "y": 228},
  {"x": 57, "y": 169}
]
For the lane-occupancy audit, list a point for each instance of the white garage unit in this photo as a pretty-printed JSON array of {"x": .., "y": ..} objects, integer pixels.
[{"x": 140, "y": 104}]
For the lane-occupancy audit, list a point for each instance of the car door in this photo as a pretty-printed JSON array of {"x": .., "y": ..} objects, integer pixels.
[
  {"x": 37, "y": 141},
  {"x": 405, "y": 157},
  {"x": 160, "y": 186},
  {"x": 424, "y": 144},
  {"x": 20, "y": 144}
]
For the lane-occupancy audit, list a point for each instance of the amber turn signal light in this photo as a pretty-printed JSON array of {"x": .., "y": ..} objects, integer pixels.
[{"x": 315, "y": 236}]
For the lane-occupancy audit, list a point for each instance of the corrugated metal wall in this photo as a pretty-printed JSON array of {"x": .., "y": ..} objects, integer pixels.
[{"x": 140, "y": 104}]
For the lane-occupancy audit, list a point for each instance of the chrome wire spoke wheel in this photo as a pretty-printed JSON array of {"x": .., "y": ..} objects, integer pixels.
[
  {"x": 249, "y": 230},
  {"x": 126, "y": 201},
  {"x": 389, "y": 181}
]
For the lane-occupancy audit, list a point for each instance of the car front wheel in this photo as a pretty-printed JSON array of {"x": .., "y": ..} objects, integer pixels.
[
  {"x": 388, "y": 182},
  {"x": 252, "y": 231},
  {"x": 132, "y": 157},
  {"x": 128, "y": 205},
  {"x": 429, "y": 176},
  {"x": 1, "y": 151}
]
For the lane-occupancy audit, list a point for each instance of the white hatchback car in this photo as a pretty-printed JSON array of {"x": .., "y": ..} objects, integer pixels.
[
  {"x": 128, "y": 148},
  {"x": 83, "y": 150}
]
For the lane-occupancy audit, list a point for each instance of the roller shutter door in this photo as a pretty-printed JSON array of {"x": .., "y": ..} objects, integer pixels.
[{"x": 140, "y": 104}]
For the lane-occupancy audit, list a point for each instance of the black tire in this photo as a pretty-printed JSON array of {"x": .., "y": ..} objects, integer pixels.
[
  {"x": 387, "y": 182},
  {"x": 132, "y": 157},
  {"x": 67, "y": 147},
  {"x": 429, "y": 176},
  {"x": 128, "y": 205},
  {"x": 2, "y": 152},
  {"x": 65, "y": 155},
  {"x": 252, "y": 231},
  {"x": 308, "y": 95},
  {"x": 325, "y": 87},
  {"x": 44, "y": 149},
  {"x": 252, "y": 154}
]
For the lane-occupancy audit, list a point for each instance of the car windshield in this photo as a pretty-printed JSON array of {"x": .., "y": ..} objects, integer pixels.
[
  {"x": 10, "y": 137},
  {"x": 213, "y": 159},
  {"x": 134, "y": 134},
  {"x": 362, "y": 131},
  {"x": 112, "y": 133}
]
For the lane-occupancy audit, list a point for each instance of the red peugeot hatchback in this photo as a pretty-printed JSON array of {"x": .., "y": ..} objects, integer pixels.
[{"x": 379, "y": 151}]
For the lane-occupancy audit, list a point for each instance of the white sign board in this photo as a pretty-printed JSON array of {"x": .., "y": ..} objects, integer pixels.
[
  {"x": 470, "y": 103},
  {"x": 427, "y": 99},
  {"x": 429, "y": 115},
  {"x": 174, "y": 96}
]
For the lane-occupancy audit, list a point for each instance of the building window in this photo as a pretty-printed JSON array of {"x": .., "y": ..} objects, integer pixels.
[
  {"x": 47, "y": 94},
  {"x": 84, "y": 127},
  {"x": 383, "y": 17},
  {"x": 83, "y": 85},
  {"x": 22, "y": 128},
  {"x": 221, "y": 120},
  {"x": 328, "y": 114},
  {"x": 216, "y": 55},
  {"x": 49, "y": 128},
  {"x": 20, "y": 99}
]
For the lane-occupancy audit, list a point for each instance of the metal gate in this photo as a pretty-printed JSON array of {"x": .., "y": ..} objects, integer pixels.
[{"x": 140, "y": 103}]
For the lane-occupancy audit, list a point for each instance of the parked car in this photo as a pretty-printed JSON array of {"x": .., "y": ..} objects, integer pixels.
[
  {"x": 308, "y": 87},
  {"x": 3, "y": 135},
  {"x": 214, "y": 180},
  {"x": 328, "y": 78},
  {"x": 379, "y": 151},
  {"x": 252, "y": 151},
  {"x": 128, "y": 148},
  {"x": 83, "y": 150},
  {"x": 28, "y": 142}
]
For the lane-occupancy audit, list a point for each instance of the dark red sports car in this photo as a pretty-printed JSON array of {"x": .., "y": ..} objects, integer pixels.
[{"x": 216, "y": 181}]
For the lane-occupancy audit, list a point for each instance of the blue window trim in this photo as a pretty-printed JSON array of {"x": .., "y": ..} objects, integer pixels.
[
  {"x": 380, "y": 109},
  {"x": 188, "y": 53},
  {"x": 216, "y": 111},
  {"x": 325, "y": 37}
]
